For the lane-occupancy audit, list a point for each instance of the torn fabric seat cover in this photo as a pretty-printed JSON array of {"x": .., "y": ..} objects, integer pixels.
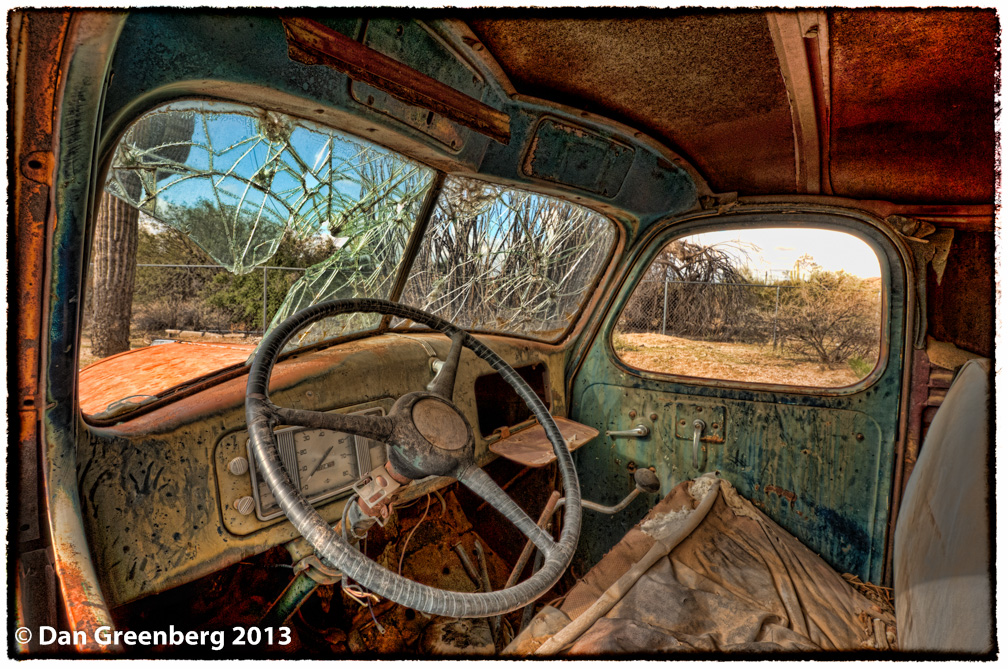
[
  {"x": 738, "y": 582},
  {"x": 941, "y": 561}
]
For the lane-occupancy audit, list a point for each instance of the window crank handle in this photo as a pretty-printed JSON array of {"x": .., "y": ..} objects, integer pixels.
[
  {"x": 638, "y": 431},
  {"x": 698, "y": 427}
]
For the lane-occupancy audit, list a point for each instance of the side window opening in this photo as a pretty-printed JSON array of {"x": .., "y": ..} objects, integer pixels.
[{"x": 796, "y": 307}]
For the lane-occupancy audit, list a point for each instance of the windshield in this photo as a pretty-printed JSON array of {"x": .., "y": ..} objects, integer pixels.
[{"x": 222, "y": 220}]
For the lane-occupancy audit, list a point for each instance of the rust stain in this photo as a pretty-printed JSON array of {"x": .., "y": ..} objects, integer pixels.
[
  {"x": 312, "y": 43},
  {"x": 153, "y": 371},
  {"x": 777, "y": 490},
  {"x": 83, "y": 613}
]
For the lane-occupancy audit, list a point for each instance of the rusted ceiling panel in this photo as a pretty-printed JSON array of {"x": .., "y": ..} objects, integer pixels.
[
  {"x": 708, "y": 84},
  {"x": 913, "y": 105}
]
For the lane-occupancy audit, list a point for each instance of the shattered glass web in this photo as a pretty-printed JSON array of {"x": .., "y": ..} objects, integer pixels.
[
  {"x": 259, "y": 172},
  {"x": 235, "y": 179},
  {"x": 501, "y": 260},
  {"x": 244, "y": 177}
]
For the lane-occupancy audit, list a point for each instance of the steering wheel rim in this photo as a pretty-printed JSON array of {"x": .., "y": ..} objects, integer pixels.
[{"x": 261, "y": 415}]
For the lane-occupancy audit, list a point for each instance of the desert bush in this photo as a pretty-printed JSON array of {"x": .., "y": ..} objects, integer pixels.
[
  {"x": 831, "y": 317},
  {"x": 193, "y": 314},
  {"x": 211, "y": 298}
]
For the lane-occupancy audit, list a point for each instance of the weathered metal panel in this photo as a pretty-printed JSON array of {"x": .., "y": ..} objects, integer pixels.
[
  {"x": 576, "y": 156},
  {"x": 69, "y": 95},
  {"x": 814, "y": 470},
  {"x": 166, "y": 55},
  {"x": 158, "y": 505}
]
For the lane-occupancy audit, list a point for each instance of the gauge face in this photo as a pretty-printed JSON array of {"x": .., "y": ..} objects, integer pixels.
[{"x": 320, "y": 463}]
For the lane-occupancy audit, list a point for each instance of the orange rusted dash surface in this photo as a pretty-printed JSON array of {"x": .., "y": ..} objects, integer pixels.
[{"x": 153, "y": 370}]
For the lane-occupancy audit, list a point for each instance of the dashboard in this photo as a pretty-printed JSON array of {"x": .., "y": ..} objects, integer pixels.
[{"x": 173, "y": 494}]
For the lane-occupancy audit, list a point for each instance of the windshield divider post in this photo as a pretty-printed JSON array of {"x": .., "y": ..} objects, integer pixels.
[{"x": 413, "y": 243}]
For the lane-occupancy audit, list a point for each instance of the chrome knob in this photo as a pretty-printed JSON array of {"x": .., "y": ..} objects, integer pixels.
[
  {"x": 245, "y": 505},
  {"x": 238, "y": 466}
]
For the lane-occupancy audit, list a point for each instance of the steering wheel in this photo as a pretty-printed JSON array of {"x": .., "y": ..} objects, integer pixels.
[{"x": 426, "y": 434}]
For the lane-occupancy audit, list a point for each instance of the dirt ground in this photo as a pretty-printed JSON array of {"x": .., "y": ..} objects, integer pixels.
[{"x": 732, "y": 362}]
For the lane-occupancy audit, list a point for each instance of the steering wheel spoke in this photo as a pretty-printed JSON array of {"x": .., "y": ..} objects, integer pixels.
[
  {"x": 480, "y": 483},
  {"x": 370, "y": 426},
  {"x": 443, "y": 385}
]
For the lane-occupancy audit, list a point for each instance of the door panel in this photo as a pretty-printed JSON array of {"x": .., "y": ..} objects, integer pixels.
[{"x": 818, "y": 462}]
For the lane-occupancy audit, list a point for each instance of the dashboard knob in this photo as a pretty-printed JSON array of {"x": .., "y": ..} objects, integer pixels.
[
  {"x": 245, "y": 505},
  {"x": 238, "y": 466}
]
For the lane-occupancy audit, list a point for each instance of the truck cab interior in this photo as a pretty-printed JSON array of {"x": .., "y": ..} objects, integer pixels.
[{"x": 501, "y": 333}]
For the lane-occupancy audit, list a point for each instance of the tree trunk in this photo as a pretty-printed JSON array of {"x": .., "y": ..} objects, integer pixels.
[
  {"x": 115, "y": 242},
  {"x": 117, "y": 232}
]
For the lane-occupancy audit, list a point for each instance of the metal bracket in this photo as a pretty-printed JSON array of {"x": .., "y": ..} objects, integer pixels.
[
  {"x": 317, "y": 571},
  {"x": 374, "y": 489}
]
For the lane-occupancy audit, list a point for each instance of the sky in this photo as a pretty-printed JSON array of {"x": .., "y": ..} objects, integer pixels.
[{"x": 775, "y": 250}]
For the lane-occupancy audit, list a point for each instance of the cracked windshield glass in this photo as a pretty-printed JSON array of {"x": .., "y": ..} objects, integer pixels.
[{"x": 218, "y": 221}]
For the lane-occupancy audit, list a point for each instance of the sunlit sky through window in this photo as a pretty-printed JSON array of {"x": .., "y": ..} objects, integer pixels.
[{"x": 774, "y": 251}]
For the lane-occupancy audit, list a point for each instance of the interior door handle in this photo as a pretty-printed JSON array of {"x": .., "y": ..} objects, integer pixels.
[
  {"x": 638, "y": 431},
  {"x": 698, "y": 427}
]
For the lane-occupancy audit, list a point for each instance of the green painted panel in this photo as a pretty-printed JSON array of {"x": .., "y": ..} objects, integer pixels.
[{"x": 812, "y": 469}]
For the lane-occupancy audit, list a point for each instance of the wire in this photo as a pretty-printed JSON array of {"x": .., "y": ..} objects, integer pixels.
[
  {"x": 410, "y": 535},
  {"x": 444, "y": 506},
  {"x": 556, "y": 601},
  {"x": 378, "y": 625}
]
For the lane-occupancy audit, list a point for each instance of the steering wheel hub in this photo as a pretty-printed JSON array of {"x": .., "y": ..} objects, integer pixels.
[{"x": 441, "y": 425}]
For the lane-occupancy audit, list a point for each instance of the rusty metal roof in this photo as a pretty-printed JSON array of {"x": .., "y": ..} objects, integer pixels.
[{"x": 895, "y": 105}]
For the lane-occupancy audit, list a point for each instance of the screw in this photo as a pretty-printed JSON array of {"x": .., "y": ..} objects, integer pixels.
[
  {"x": 653, "y": 417},
  {"x": 633, "y": 414}
]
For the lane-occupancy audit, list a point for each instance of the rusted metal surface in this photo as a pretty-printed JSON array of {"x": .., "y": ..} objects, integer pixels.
[
  {"x": 960, "y": 309},
  {"x": 578, "y": 157},
  {"x": 34, "y": 36},
  {"x": 145, "y": 373},
  {"x": 83, "y": 64},
  {"x": 801, "y": 40},
  {"x": 312, "y": 43},
  {"x": 39, "y": 64},
  {"x": 532, "y": 448},
  {"x": 789, "y": 495},
  {"x": 911, "y": 425},
  {"x": 910, "y": 100},
  {"x": 913, "y": 104},
  {"x": 698, "y": 82}
]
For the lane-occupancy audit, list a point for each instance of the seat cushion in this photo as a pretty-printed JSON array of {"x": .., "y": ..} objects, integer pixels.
[
  {"x": 738, "y": 582},
  {"x": 941, "y": 556}
]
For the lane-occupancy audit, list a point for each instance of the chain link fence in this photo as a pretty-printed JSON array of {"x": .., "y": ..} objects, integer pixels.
[{"x": 208, "y": 298}]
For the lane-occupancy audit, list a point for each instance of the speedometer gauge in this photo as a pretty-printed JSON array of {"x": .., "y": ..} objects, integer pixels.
[{"x": 321, "y": 463}]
